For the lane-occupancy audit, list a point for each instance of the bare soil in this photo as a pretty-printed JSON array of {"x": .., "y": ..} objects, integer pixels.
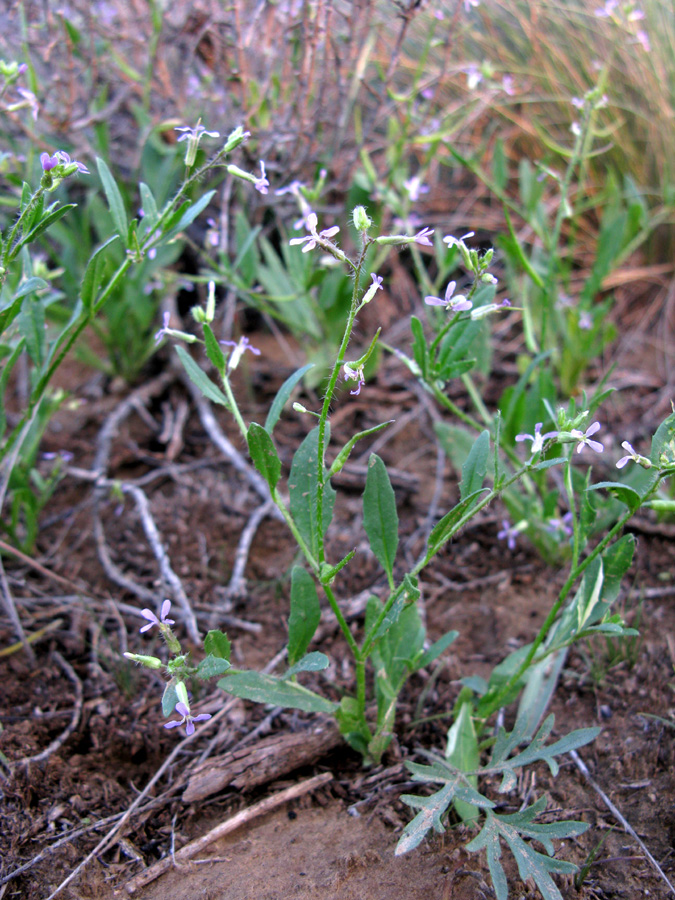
[{"x": 337, "y": 842}]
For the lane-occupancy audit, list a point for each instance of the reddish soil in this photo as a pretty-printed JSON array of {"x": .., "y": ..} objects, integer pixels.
[{"x": 337, "y": 842}]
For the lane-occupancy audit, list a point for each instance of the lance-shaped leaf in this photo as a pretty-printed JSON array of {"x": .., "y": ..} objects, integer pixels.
[
  {"x": 275, "y": 691},
  {"x": 283, "y": 395},
  {"x": 200, "y": 379},
  {"x": 303, "y": 491},
  {"x": 264, "y": 454},
  {"x": 475, "y": 466},
  {"x": 305, "y": 613},
  {"x": 380, "y": 518},
  {"x": 449, "y": 524},
  {"x": 114, "y": 198}
]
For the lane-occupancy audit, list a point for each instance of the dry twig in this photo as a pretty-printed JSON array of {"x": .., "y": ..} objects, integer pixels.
[{"x": 226, "y": 827}]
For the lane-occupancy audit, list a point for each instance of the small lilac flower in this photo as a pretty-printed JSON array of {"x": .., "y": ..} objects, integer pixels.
[
  {"x": 187, "y": 718},
  {"x": 555, "y": 525},
  {"x": 455, "y": 304},
  {"x": 164, "y": 330},
  {"x": 313, "y": 238},
  {"x": 469, "y": 3},
  {"x": 474, "y": 76},
  {"x": 537, "y": 438},
  {"x": 354, "y": 375},
  {"x": 457, "y": 242},
  {"x": 194, "y": 134},
  {"x": 65, "y": 159},
  {"x": 49, "y": 162},
  {"x": 631, "y": 455},
  {"x": 240, "y": 348},
  {"x": 636, "y": 15},
  {"x": 508, "y": 85},
  {"x": 29, "y": 100},
  {"x": 508, "y": 533},
  {"x": 642, "y": 38},
  {"x": 422, "y": 237},
  {"x": 607, "y": 10},
  {"x": 584, "y": 438},
  {"x": 585, "y": 321},
  {"x": 414, "y": 187},
  {"x": 153, "y": 620},
  {"x": 578, "y": 102},
  {"x": 261, "y": 184}
]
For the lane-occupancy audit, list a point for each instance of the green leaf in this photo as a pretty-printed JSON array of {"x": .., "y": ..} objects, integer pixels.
[
  {"x": 213, "y": 351},
  {"x": 380, "y": 519},
  {"x": 313, "y": 662},
  {"x": 92, "y": 276},
  {"x": 463, "y": 754},
  {"x": 149, "y": 206},
  {"x": 114, "y": 198},
  {"x": 216, "y": 643},
  {"x": 622, "y": 492},
  {"x": 616, "y": 560},
  {"x": 212, "y": 666},
  {"x": 274, "y": 691},
  {"x": 420, "y": 351},
  {"x": 303, "y": 489},
  {"x": 475, "y": 467},
  {"x": 440, "y": 646},
  {"x": 187, "y": 213},
  {"x": 200, "y": 379},
  {"x": 447, "y": 526},
  {"x": 283, "y": 395},
  {"x": 31, "y": 325},
  {"x": 29, "y": 286},
  {"x": 264, "y": 454},
  {"x": 169, "y": 698},
  {"x": 664, "y": 435},
  {"x": 305, "y": 613},
  {"x": 45, "y": 223}
]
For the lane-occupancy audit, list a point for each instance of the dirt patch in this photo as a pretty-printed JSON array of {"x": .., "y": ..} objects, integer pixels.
[{"x": 338, "y": 842}]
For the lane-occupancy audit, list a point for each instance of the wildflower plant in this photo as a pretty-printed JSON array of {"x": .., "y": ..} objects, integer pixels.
[{"x": 392, "y": 644}]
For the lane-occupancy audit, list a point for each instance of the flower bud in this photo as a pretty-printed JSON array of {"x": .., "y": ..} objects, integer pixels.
[
  {"x": 362, "y": 220},
  {"x": 151, "y": 662}
]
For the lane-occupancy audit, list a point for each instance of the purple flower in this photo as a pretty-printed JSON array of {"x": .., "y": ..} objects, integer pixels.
[
  {"x": 153, "y": 620},
  {"x": 164, "y": 330},
  {"x": 30, "y": 100},
  {"x": 422, "y": 237},
  {"x": 584, "y": 438},
  {"x": 456, "y": 304},
  {"x": 508, "y": 85},
  {"x": 65, "y": 159},
  {"x": 194, "y": 134},
  {"x": 261, "y": 184},
  {"x": 313, "y": 238},
  {"x": 537, "y": 438},
  {"x": 354, "y": 375},
  {"x": 49, "y": 162},
  {"x": 564, "y": 525},
  {"x": 631, "y": 455},
  {"x": 585, "y": 321},
  {"x": 642, "y": 38},
  {"x": 240, "y": 348},
  {"x": 508, "y": 533},
  {"x": 414, "y": 187},
  {"x": 186, "y": 719},
  {"x": 457, "y": 242},
  {"x": 607, "y": 10}
]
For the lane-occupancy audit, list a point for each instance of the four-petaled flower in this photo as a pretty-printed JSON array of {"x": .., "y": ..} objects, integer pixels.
[
  {"x": 187, "y": 718},
  {"x": 564, "y": 524},
  {"x": 422, "y": 237},
  {"x": 240, "y": 347},
  {"x": 537, "y": 438},
  {"x": 585, "y": 321},
  {"x": 65, "y": 159},
  {"x": 456, "y": 304},
  {"x": 585, "y": 438},
  {"x": 194, "y": 134},
  {"x": 414, "y": 187},
  {"x": 314, "y": 237},
  {"x": 354, "y": 375},
  {"x": 49, "y": 162},
  {"x": 152, "y": 618},
  {"x": 510, "y": 533},
  {"x": 261, "y": 184},
  {"x": 631, "y": 454}
]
